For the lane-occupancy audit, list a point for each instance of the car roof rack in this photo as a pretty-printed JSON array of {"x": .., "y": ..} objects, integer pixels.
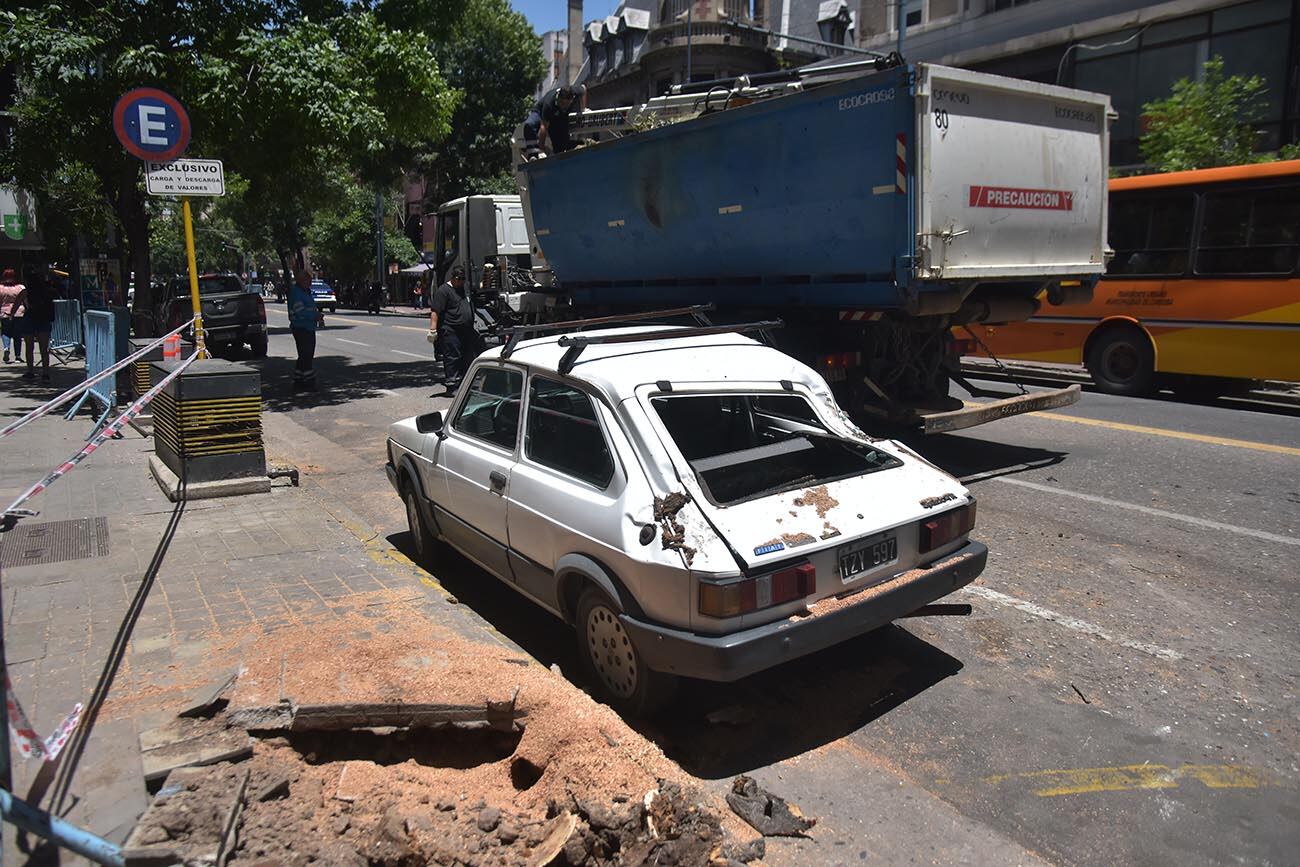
[
  {"x": 578, "y": 342},
  {"x": 515, "y": 333}
]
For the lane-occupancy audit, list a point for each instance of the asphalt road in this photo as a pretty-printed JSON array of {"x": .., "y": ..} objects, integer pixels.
[{"x": 1125, "y": 691}]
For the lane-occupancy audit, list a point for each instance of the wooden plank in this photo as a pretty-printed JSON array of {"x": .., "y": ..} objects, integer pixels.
[{"x": 160, "y": 762}]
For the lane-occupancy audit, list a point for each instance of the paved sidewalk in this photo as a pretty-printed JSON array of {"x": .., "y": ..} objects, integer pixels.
[{"x": 123, "y": 622}]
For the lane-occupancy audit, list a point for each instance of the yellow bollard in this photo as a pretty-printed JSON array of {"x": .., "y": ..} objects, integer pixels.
[{"x": 194, "y": 279}]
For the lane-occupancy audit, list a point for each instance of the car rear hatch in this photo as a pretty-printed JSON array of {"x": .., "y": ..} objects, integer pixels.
[{"x": 784, "y": 490}]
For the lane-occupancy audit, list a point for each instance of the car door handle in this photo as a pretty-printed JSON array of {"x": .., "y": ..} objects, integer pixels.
[{"x": 498, "y": 480}]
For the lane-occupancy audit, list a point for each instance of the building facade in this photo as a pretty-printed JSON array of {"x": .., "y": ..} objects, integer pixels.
[
  {"x": 555, "y": 45},
  {"x": 1133, "y": 51}
]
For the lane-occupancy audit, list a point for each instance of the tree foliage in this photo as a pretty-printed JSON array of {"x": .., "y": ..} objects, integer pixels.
[
  {"x": 491, "y": 55},
  {"x": 342, "y": 238},
  {"x": 300, "y": 97},
  {"x": 1204, "y": 123}
]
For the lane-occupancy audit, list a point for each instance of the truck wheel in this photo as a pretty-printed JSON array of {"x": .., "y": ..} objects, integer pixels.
[
  {"x": 613, "y": 661},
  {"x": 257, "y": 345},
  {"x": 1122, "y": 361},
  {"x": 420, "y": 535}
]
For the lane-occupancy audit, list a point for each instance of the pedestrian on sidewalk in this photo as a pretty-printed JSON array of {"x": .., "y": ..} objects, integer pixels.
[
  {"x": 11, "y": 313},
  {"x": 452, "y": 320},
  {"x": 417, "y": 296},
  {"x": 303, "y": 319},
  {"x": 39, "y": 301}
]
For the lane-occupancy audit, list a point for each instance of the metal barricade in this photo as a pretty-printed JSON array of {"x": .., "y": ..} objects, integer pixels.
[
  {"x": 65, "y": 332},
  {"x": 101, "y": 354}
]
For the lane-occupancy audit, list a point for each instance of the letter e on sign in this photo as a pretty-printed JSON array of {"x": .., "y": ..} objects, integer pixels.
[{"x": 151, "y": 124}]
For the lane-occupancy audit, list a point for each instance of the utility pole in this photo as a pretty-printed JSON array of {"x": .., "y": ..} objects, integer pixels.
[
  {"x": 902, "y": 26},
  {"x": 690, "y": 7}
]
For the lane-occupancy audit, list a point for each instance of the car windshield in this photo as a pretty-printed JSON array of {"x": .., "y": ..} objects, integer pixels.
[{"x": 744, "y": 446}]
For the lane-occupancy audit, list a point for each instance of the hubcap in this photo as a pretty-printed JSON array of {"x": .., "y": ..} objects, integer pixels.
[
  {"x": 1121, "y": 361},
  {"x": 611, "y": 652},
  {"x": 413, "y": 521}
]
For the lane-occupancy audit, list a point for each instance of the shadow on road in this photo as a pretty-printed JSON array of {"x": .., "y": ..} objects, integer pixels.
[
  {"x": 972, "y": 459},
  {"x": 771, "y": 716},
  {"x": 340, "y": 379}
]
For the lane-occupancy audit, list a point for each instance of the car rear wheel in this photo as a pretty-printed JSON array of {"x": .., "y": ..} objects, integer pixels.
[
  {"x": 420, "y": 535},
  {"x": 612, "y": 660},
  {"x": 1122, "y": 361}
]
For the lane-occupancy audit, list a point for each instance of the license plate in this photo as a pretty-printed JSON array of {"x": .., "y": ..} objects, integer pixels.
[{"x": 859, "y": 557}]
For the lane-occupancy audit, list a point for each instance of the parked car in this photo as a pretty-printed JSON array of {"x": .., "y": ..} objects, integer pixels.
[
  {"x": 324, "y": 295},
  {"x": 693, "y": 503},
  {"x": 231, "y": 316}
]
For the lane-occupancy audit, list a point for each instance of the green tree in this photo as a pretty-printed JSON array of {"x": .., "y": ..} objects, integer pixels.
[
  {"x": 490, "y": 54},
  {"x": 290, "y": 94},
  {"x": 342, "y": 238},
  {"x": 1204, "y": 123}
]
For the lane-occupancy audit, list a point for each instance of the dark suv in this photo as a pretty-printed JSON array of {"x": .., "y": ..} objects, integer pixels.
[{"x": 231, "y": 315}]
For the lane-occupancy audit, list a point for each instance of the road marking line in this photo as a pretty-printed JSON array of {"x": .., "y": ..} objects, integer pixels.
[
  {"x": 1173, "y": 434},
  {"x": 410, "y": 328},
  {"x": 412, "y": 354},
  {"x": 353, "y": 342},
  {"x": 1068, "y": 622},
  {"x": 1159, "y": 513},
  {"x": 1128, "y": 778},
  {"x": 388, "y": 391}
]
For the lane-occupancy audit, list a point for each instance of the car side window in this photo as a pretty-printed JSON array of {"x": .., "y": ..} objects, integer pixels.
[
  {"x": 563, "y": 433},
  {"x": 491, "y": 408}
]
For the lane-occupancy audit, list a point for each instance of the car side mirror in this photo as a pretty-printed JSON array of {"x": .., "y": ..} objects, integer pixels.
[{"x": 431, "y": 422}]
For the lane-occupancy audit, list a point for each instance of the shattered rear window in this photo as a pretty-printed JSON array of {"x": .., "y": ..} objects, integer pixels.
[{"x": 745, "y": 446}]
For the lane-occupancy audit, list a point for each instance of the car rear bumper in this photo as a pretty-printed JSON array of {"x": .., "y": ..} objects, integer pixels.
[{"x": 740, "y": 654}]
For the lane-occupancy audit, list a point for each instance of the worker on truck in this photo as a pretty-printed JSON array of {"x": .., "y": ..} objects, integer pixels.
[{"x": 549, "y": 120}]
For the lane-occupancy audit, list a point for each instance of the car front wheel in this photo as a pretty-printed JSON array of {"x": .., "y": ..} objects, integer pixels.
[
  {"x": 420, "y": 535},
  {"x": 613, "y": 661}
]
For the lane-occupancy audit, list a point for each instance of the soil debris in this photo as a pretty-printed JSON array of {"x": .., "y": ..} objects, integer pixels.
[
  {"x": 673, "y": 535},
  {"x": 793, "y": 540},
  {"x": 464, "y": 793},
  {"x": 770, "y": 815},
  {"x": 819, "y": 498}
]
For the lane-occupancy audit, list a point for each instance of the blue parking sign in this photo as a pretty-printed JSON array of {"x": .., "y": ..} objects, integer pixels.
[{"x": 151, "y": 124}]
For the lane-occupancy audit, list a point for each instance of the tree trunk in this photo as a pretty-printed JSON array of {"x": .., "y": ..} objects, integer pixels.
[{"x": 131, "y": 213}]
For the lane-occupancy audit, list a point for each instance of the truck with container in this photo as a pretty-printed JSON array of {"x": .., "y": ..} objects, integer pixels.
[{"x": 871, "y": 206}]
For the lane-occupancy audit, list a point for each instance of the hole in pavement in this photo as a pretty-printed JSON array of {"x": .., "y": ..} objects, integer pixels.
[
  {"x": 524, "y": 774},
  {"x": 457, "y": 747}
]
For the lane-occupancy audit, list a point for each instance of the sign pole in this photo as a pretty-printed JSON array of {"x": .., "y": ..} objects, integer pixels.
[{"x": 194, "y": 278}]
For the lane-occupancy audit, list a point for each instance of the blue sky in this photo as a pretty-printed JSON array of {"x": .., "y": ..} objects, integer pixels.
[{"x": 553, "y": 14}]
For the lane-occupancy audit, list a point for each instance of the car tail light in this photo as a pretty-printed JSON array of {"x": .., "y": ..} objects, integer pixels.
[
  {"x": 943, "y": 528},
  {"x": 755, "y": 594},
  {"x": 261, "y": 308}
]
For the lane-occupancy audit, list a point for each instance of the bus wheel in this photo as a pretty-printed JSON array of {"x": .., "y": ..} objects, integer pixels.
[{"x": 1122, "y": 361}]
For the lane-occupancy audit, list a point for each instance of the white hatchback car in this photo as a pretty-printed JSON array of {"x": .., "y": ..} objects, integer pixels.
[{"x": 693, "y": 501}]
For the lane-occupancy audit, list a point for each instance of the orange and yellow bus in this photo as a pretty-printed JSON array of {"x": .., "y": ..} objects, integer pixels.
[{"x": 1203, "y": 291}]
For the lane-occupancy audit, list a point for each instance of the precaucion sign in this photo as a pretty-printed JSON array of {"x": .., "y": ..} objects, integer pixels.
[{"x": 185, "y": 177}]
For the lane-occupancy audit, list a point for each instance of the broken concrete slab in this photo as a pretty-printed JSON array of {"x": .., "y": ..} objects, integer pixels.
[{"x": 193, "y": 819}]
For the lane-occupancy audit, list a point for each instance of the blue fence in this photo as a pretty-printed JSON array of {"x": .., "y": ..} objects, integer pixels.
[
  {"x": 65, "y": 333},
  {"x": 101, "y": 354}
]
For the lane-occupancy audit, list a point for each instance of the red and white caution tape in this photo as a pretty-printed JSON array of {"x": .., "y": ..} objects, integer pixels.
[
  {"x": 77, "y": 389},
  {"x": 28, "y": 742},
  {"x": 110, "y": 430}
]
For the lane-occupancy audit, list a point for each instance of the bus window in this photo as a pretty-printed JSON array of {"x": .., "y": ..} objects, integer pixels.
[
  {"x": 1151, "y": 235},
  {"x": 1250, "y": 232}
]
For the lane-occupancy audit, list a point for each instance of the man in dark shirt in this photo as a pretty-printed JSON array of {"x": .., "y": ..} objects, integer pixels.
[
  {"x": 549, "y": 121},
  {"x": 452, "y": 320}
]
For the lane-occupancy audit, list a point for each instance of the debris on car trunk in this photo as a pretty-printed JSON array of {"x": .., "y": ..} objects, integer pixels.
[
  {"x": 769, "y": 814},
  {"x": 674, "y": 534},
  {"x": 819, "y": 498}
]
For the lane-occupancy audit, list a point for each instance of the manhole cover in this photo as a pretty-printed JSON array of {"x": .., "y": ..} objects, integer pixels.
[{"x": 54, "y": 542}]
